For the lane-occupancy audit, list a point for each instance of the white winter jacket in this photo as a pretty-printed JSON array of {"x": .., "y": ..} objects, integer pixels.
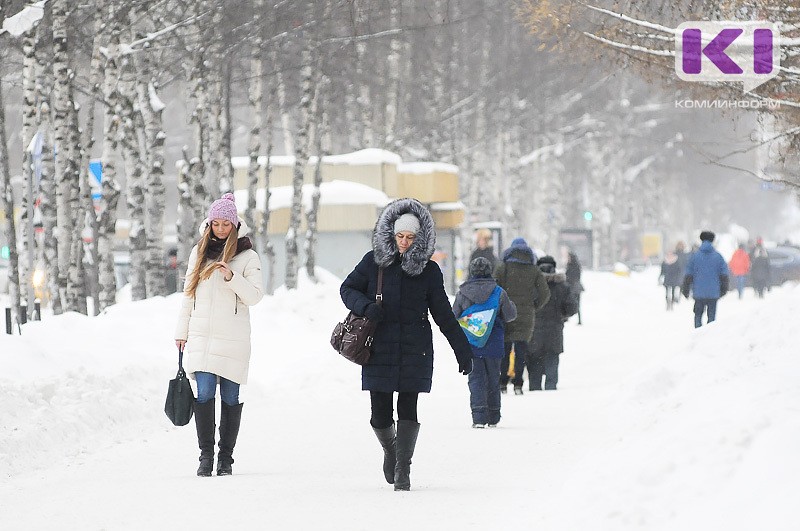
[{"x": 216, "y": 323}]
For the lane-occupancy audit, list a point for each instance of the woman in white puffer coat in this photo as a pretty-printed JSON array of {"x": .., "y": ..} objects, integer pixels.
[{"x": 223, "y": 280}]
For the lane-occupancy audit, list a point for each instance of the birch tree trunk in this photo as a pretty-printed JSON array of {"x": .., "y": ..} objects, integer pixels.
[
  {"x": 70, "y": 244},
  {"x": 61, "y": 109},
  {"x": 26, "y": 266},
  {"x": 393, "y": 67},
  {"x": 95, "y": 94},
  {"x": 300, "y": 162},
  {"x": 47, "y": 206},
  {"x": 186, "y": 223},
  {"x": 266, "y": 245},
  {"x": 107, "y": 219},
  {"x": 322, "y": 148},
  {"x": 283, "y": 111},
  {"x": 154, "y": 192},
  {"x": 364, "y": 95},
  {"x": 255, "y": 91},
  {"x": 7, "y": 202},
  {"x": 137, "y": 237}
]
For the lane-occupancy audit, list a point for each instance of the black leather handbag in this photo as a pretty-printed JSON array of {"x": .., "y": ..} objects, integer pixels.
[
  {"x": 352, "y": 338},
  {"x": 179, "y": 406}
]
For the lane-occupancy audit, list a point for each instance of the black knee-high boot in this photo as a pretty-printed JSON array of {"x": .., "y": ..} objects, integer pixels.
[
  {"x": 204, "y": 421},
  {"x": 388, "y": 440},
  {"x": 407, "y": 431},
  {"x": 228, "y": 431}
]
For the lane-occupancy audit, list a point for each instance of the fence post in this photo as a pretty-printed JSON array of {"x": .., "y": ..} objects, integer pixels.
[{"x": 8, "y": 321}]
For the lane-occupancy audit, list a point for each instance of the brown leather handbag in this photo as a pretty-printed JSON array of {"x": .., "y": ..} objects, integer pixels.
[{"x": 352, "y": 338}]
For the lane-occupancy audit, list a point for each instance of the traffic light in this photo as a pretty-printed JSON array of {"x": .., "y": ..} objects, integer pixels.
[{"x": 587, "y": 215}]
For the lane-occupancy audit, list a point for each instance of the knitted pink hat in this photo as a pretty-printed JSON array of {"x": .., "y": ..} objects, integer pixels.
[{"x": 224, "y": 208}]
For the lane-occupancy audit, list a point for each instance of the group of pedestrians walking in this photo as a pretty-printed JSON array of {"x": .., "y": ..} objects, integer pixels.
[
  {"x": 704, "y": 275},
  {"x": 528, "y": 299},
  {"x": 534, "y": 303}
]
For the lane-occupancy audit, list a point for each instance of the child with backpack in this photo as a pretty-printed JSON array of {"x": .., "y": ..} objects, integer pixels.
[{"x": 482, "y": 308}]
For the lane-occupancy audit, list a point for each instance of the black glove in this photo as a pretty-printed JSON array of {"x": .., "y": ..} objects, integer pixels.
[
  {"x": 723, "y": 285},
  {"x": 687, "y": 283},
  {"x": 465, "y": 365},
  {"x": 374, "y": 312}
]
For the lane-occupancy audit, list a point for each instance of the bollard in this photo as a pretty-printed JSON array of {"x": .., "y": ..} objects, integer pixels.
[
  {"x": 8, "y": 321},
  {"x": 37, "y": 311},
  {"x": 23, "y": 314}
]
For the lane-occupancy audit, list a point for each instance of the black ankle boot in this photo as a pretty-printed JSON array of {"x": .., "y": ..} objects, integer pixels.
[
  {"x": 228, "y": 432},
  {"x": 407, "y": 431},
  {"x": 204, "y": 421},
  {"x": 388, "y": 440}
]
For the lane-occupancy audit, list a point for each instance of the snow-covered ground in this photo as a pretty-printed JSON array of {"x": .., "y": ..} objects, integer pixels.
[{"x": 655, "y": 426}]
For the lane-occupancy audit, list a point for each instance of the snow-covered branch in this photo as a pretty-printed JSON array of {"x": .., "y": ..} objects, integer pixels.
[
  {"x": 632, "y": 47},
  {"x": 25, "y": 20},
  {"x": 643, "y": 23}
]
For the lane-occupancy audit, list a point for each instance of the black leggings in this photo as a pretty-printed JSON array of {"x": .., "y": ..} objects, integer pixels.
[{"x": 382, "y": 412}]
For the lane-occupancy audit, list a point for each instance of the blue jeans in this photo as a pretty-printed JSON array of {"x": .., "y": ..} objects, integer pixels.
[
  {"x": 741, "y": 281},
  {"x": 207, "y": 388},
  {"x": 700, "y": 306},
  {"x": 484, "y": 390},
  {"x": 539, "y": 366}
]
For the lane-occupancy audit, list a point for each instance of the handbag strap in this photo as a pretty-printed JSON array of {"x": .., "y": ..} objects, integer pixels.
[
  {"x": 180, "y": 359},
  {"x": 379, "y": 293}
]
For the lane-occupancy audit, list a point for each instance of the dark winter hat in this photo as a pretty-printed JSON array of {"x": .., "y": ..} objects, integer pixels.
[
  {"x": 547, "y": 264},
  {"x": 480, "y": 268},
  {"x": 546, "y": 259},
  {"x": 224, "y": 208},
  {"x": 707, "y": 236}
]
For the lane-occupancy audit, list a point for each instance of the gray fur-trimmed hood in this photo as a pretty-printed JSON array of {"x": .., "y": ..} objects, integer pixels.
[{"x": 385, "y": 247}]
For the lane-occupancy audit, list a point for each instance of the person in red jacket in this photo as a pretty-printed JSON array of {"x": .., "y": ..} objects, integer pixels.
[{"x": 740, "y": 268}]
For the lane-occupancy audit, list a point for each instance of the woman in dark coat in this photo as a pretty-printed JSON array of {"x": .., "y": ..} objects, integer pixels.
[
  {"x": 548, "y": 333},
  {"x": 573, "y": 274},
  {"x": 402, "y": 353}
]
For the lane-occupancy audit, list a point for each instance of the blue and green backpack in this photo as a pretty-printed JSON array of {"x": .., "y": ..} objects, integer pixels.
[{"x": 478, "y": 320}]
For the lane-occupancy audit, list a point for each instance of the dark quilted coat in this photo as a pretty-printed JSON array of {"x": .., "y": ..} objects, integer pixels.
[
  {"x": 548, "y": 333},
  {"x": 402, "y": 354},
  {"x": 525, "y": 285}
]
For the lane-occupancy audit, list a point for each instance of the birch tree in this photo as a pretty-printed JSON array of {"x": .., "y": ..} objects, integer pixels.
[
  {"x": 266, "y": 245},
  {"x": 300, "y": 162},
  {"x": 255, "y": 92},
  {"x": 7, "y": 198},
  {"x": 322, "y": 139}
]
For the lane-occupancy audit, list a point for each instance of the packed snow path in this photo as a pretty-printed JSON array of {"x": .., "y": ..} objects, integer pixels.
[{"x": 654, "y": 426}]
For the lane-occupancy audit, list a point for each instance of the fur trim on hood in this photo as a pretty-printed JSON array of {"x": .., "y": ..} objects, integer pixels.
[
  {"x": 383, "y": 242},
  {"x": 556, "y": 278}
]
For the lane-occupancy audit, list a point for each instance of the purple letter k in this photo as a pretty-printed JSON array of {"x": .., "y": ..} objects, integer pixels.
[{"x": 715, "y": 51}]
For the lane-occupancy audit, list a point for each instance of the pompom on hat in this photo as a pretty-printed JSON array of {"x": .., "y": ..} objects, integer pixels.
[
  {"x": 408, "y": 222},
  {"x": 224, "y": 208}
]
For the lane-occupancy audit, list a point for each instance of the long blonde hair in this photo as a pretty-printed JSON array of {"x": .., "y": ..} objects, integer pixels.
[{"x": 203, "y": 270}]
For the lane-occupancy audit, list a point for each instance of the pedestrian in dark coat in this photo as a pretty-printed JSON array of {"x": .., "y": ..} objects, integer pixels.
[
  {"x": 707, "y": 276},
  {"x": 548, "y": 333},
  {"x": 484, "y": 380},
  {"x": 402, "y": 352},
  {"x": 483, "y": 242},
  {"x": 527, "y": 288},
  {"x": 760, "y": 271},
  {"x": 671, "y": 276},
  {"x": 573, "y": 275}
]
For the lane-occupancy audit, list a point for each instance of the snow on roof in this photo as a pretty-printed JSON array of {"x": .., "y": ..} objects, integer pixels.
[
  {"x": 365, "y": 157},
  {"x": 332, "y": 193},
  {"x": 457, "y": 205},
  {"x": 426, "y": 167},
  {"x": 275, "y": 160}
]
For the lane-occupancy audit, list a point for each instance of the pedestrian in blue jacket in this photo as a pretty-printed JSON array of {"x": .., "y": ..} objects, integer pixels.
[{"x": 707, "y": 276}]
